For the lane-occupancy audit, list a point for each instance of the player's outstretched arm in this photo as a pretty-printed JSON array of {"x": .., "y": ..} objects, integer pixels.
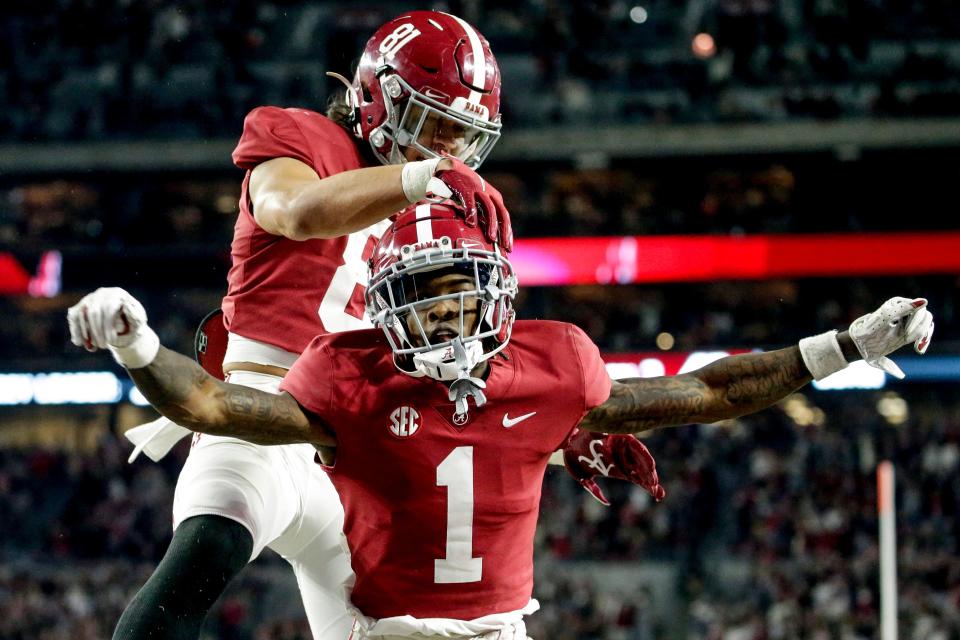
[
  {"x": 728, "y": 388},
  {"x": 178, "y": 387},
  {"x": 186, "y": 394},
  {"x": 738, "y": 385}
]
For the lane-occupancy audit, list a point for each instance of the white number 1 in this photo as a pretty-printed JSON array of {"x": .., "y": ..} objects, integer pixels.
[{"x": 456, "y": 473}]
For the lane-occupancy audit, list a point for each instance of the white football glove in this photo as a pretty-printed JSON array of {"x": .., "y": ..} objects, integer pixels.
[
  {"x": 898, "y": 322},
  {"x": 110, "y": 318}
]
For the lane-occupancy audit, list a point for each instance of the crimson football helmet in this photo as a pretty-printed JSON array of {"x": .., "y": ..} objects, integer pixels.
[
  {"x": 424, "y": 241},
  {"x": 427, "y": 71}
]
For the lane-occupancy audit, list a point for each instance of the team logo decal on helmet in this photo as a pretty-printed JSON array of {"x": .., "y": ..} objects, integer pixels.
[{"x": 427, "y": 80}]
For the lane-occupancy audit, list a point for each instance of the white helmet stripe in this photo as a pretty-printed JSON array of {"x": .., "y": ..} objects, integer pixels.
[
  {"x": 424, "y": 228},
  {"x": 479, "y": 60}
]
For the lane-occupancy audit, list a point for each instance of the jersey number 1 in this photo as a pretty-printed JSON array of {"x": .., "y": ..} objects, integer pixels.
[{"x": 459, "y": 565}]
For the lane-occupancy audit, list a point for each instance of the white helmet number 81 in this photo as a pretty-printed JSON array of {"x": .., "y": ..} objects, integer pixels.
[{"x": 396, "y": 40}]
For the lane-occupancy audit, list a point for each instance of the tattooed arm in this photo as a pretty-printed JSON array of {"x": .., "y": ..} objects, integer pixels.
[
  {"x": 186, "y": 394},
  {"x": 728, "y": 388}
]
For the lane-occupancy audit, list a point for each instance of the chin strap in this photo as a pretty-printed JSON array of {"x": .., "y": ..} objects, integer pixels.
[{"x": 465, "y": 385}]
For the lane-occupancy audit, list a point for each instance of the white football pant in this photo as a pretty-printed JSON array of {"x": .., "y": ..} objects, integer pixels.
[{"x": 286, "y": 502}]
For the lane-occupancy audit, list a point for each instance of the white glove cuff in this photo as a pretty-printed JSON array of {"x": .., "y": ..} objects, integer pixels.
[
  {"x": 414, "y": 178},
  {"x": 139, "y": 353},
  {"x": 822, "y": 355}
]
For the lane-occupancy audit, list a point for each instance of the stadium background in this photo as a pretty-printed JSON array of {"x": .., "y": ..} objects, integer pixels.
[{"x": 737, "y": 119}]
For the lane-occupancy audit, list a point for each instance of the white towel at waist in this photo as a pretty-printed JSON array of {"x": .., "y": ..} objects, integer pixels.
[{"x": 155, "y": 438}]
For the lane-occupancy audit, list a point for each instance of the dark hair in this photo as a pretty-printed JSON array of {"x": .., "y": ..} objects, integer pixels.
[{"x": 338, "y": 110}]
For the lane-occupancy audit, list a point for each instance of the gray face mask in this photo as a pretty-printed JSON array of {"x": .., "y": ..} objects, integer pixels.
[{"x": 405, "y": 122}]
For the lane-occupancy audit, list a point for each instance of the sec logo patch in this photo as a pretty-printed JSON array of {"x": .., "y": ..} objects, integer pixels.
[{"x": 404, "y": 422}]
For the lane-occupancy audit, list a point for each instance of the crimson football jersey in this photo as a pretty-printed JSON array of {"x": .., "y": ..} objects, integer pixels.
[
  {"x": 280, "y": 291},
  {"x": 440, "y": 516}
]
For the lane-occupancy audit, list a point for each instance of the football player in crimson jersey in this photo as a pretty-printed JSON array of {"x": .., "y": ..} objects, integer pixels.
[{"x": 436, "y": 430}]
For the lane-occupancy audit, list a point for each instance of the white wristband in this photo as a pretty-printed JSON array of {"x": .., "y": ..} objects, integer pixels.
[
  {"x": 139, "y": 353},
  {"x": 822, "y": 355},
  {"x": 414, "y": 178}
]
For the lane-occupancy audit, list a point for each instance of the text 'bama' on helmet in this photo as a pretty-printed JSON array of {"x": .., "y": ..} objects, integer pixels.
[
  {"x": 425, "y": 242},
  {"x": 428, "y": 83}
]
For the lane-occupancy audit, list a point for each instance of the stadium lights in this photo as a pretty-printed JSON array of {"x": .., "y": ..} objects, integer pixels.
[
  {"x": 893, "y": 408},
  {"x": 803, "y": 413},
  {"x": 665, "y": 341},
  {"x": 704, "y": 46},
  {"x": 93, "y": 387},
  {"x": 638, "y": 14}
]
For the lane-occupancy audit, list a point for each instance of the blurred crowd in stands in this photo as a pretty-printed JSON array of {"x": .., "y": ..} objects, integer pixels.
[
  {"x": 799, "y": 193},
  {"x": 95, "y": 69},
  {"x": 769, "y": 522}
]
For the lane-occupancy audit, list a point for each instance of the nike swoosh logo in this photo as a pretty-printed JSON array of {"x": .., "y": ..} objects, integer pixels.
[
  {"x": 436, "y": 95},
  {"x": 509, "y": 422}
]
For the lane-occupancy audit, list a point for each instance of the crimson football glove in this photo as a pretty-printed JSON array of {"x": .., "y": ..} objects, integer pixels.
[
  {"x": 480, "y": 201},
  {"x": 588, "y": 455}
]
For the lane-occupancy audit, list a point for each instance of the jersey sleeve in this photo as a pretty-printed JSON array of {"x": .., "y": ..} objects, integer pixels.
[
  {"x": 596, "y": 381},
  {"x": 311, "y": 380},
  {"x": 271, "y": 132}
]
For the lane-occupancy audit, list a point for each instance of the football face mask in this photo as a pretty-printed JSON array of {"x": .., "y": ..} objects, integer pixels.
[
  {"x": 441, "y": 291},
  {"x": 444, "y": 309},
  {"x": 429, "y": 127}
]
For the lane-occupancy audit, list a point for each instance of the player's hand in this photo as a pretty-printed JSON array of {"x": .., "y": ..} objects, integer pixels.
[
  {"x": 110, "y": 318},
  {"x": 588, "y": 455},
  {"x": 898, "y": 322},
  {"x": 480, "y": 201}
]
